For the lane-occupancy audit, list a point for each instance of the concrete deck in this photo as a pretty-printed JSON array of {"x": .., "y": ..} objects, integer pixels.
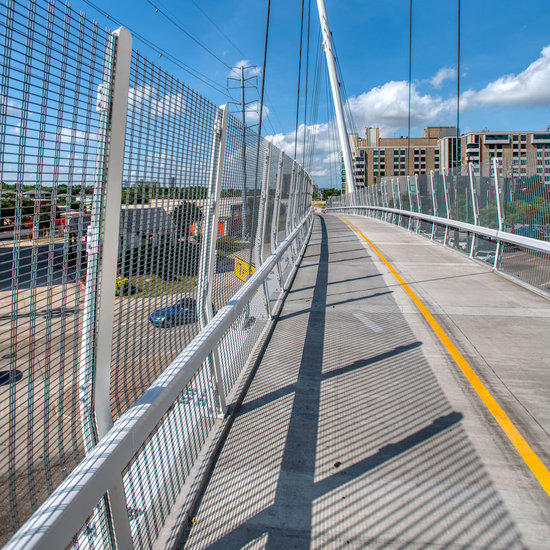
[{"x": 360, "y": 431}]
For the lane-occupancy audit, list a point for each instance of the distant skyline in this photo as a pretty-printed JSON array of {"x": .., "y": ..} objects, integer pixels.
[{"x": 505, "y": 61}]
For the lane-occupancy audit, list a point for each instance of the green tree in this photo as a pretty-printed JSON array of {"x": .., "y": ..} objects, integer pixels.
[
  {"x": 332, "y": 192},
  {"x": 186, "y": 214}
]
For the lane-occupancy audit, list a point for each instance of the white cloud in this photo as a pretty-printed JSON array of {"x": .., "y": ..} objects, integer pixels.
[
  {"x": 318, "y": 173},
  {"x": 531, "y": 87},
  {"x": 445, "y": 73},
  {"x": 12, "y": 108},
  {"x": 143, "y": 99},
  {"x": 252, "y": 114},
  {"x": 68, "y": 135},
  {"x": 250, "y": 70},
  {"x": 387, "y": 107}
]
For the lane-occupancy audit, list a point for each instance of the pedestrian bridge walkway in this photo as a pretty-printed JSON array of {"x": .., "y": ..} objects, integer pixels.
[{"x": 359, "y": 429}]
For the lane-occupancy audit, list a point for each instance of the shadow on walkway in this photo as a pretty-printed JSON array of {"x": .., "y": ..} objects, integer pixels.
[{"x": 345, "y": 437}]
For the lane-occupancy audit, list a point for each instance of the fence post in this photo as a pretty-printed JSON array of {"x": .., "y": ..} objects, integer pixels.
[
  {"x": 434, "y": 202},
  {"x": 446, "y": 194},
  {"x": 102, "y": 247},
  {"x": 262, "y": 214},
  {"x": 475, "y": 207},
  {"x": 500, "y": 213},
  {"x": 290, "y": 204},
  {"x": 410, "y": 201},
  {"x": 277, "y": 204},
  {"x": 207, "y": 265},
  {"x": 418, "y": 202}
]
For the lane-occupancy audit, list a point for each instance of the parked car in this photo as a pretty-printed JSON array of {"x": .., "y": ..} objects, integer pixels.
[{"x": 183, "y": 312}]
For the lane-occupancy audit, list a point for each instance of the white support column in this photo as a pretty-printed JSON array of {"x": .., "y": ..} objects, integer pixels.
[
  {"x": 262, "y": 214},
  {"x": 475, "y": 208},
  {"x": 207, "y": 264},
  {"x": 500, "y": 213},
  {"x": 103, "y": 247},
  {"x": 335, "y": 86}
]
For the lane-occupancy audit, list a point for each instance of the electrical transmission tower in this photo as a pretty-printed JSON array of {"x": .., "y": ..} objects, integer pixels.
[{"x": 242, "y": 79}]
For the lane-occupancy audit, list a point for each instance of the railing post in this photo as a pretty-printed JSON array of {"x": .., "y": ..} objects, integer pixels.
[
  {"x": 475, "y": 208},
  {"x": 446, "y": 194},
  {"x": 410, "y": 200},
  {"x": 102, "y": 257},
  {"x": 500, "y": 213},
  {"x": 418, "y": 203},
  {"x": 292, "y": 203},
  {"x": 262, "y": 214},
  {"x": 434, "y": 202},
  {"x": 291, "y": 200},
  {"x": 394, "y": 217},
  {"x": 207, "y": 264},
  {"x": 277, "y": 204}
]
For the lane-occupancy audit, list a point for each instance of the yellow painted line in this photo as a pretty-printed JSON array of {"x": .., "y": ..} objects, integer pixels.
[{"x": 535, "y": 464}]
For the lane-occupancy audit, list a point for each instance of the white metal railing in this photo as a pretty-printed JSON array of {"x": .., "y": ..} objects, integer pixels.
[
  {"x": 56, "y": 522},
  {"x": 496, "y": 212}
]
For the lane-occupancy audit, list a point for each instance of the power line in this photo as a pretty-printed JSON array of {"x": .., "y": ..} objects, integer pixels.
[
  {"x": 177, "y": 24},
  {"x": 163, "y": 53},
  {"x": 219, "y": 29}
]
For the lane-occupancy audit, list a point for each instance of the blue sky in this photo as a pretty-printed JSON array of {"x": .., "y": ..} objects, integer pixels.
[{"x": 505, "y": 60}]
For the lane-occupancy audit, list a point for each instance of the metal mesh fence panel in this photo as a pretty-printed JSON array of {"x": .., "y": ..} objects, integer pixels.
[
  {"x": 515, "y": 200},
  {"x": 167, "y": 161},
  {"x": 155, "y": 476},
  {"x": 52, "y": 64},
  {"x": 55, "y": 114},
  {"x": 96, "y": 533}
]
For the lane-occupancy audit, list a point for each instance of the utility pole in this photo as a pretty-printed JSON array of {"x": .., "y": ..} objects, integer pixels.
[
  {"x": 335, "y": 85},
  {"x": 242, "y": 80}
]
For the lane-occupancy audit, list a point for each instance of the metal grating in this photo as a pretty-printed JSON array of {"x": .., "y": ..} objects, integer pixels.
[{"x": 52, "y": 63}]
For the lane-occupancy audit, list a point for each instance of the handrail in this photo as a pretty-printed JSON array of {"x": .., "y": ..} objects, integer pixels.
[
  {"x": 60, "y": 517},
  {"x": 512, "y": 238}
]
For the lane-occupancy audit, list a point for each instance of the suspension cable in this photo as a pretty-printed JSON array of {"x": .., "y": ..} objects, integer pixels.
[
  {"x": 307, "y": 78},
  {"x": 458, "y": 160},
  {"x": 299, "y": 75},
  {"x": 410, "y": 73}
]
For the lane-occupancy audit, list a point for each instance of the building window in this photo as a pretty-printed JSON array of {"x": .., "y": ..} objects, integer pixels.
[
  {"x": 515, "y": 137},
  {"x": 496, "y": 137},
  {"x": 523, "y": 137}
]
